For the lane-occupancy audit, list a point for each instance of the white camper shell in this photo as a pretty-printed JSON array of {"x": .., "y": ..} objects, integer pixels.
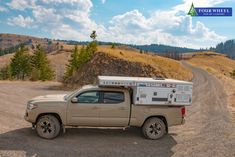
[{"x": 151, "y": 91}]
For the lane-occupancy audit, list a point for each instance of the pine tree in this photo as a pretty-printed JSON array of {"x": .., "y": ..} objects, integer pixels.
[
  {"x": 233, "y": 74},
  {"x": 41, "y": 66},
  {"x": 74, "y": 63},
  {"x": 93, "y": 35},
  {"x": 113, "y": 46},
  {"x": 5, "y": 73},
  {"x": 92, "y": 47},
  {"x": 80, "y": 58},
  {"x": 20, "y": 64}
]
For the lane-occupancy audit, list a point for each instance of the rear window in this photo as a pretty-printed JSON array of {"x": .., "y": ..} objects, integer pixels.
[{"x": 113, "y": 97}]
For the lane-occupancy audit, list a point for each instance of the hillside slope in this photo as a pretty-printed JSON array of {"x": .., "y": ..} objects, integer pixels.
[
  {"x": 10, "y": 42},
  {"x": 122, "y": 62}
]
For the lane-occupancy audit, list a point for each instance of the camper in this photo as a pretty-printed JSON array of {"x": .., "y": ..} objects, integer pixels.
[{"x": 152, "y": 104}]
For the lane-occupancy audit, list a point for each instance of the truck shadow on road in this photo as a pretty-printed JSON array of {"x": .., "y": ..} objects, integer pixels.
[{"x": 86, "y": 142}]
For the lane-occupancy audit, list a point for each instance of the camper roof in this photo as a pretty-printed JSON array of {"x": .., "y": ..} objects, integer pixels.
[{"x": 133, "y": 81}]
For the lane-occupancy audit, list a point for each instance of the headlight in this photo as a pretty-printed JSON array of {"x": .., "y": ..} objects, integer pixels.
[{"x": 31, "y": 106}]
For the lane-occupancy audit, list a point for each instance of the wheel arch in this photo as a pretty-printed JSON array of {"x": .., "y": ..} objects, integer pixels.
[
  {"x": 49, "y": 113},
  {"x": 163, "y": 118}
]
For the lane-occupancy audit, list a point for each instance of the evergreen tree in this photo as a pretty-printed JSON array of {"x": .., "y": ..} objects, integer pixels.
[
  {"x": 74, "y": 63},
  {"x": 113, "y": 46},
  {"x": 81, "y": 57},
  {"x": 5, "y": 73},
  {"x": 93, "y": 35},
  {"x": 20, "y": 64},
  {"x": 233, "y": 74},
  {"x": 84, "y": 55},
  {"x": 92, "y": 47},
  {"x": 41, "y": 69}
]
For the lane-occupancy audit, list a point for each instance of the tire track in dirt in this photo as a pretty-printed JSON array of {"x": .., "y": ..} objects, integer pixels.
[{"x": 209, "y": 130}]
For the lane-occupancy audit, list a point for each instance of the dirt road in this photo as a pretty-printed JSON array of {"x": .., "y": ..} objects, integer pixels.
[{"x": 208, "y": 130}]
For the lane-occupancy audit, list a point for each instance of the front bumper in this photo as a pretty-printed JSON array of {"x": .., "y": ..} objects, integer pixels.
[
  {"x": 29, "y": 116},
  {"x": 26, "y": 116}
]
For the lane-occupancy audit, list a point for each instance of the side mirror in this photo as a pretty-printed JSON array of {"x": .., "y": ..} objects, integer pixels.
[{"x": 74, "y": 100}]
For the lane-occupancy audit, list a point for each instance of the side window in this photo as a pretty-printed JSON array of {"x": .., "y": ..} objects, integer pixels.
[
  {"x": 113, "y": 97},
  {"x": 88, "y": 97}
]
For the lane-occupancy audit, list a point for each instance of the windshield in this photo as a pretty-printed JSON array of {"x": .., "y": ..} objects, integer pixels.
[{"x": 70, "y": 94}]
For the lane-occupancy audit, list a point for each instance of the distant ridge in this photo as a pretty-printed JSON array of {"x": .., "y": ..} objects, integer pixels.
[
  {"x": 155, "y": 48},
  {"x": 10, "y": 40}
]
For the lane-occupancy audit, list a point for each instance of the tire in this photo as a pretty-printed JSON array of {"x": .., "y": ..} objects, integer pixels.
[
  {"x": 154, "y": 128},
  {"x": 48, "y": 127}
]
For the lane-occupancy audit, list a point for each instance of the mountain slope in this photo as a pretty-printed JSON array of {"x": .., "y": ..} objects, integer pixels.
[
  {"x": 9, "y": 43},
  {"x": 119, "y": 62}
]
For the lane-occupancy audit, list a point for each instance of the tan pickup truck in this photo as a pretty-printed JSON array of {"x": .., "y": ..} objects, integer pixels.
[{"x": 95, "y": 106}]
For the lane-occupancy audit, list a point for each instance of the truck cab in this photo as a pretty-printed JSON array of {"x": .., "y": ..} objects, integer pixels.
[{"x": 94, "y": 106}]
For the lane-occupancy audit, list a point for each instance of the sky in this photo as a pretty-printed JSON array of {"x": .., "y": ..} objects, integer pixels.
[{"x": 124, "y": 21}]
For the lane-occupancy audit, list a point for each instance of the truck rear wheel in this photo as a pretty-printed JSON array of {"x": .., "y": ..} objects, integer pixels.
[
  {"x": 154, "y": 128},
  {"x": 48, "y": 127}
]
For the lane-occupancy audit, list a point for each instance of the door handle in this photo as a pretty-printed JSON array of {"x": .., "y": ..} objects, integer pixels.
[
  {"x": 95, "y": 108},
  {"x": 122, "y": 108}
]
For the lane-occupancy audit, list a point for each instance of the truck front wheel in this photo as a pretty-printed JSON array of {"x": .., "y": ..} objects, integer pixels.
[
  {"x": 48, "y": 127},
  {"x": 154, "y": 128}
]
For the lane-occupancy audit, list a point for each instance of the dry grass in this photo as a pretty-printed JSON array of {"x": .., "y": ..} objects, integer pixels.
[
  {"x": 170, "y": 67},
  {"x": 4, "y": 60},
  {"x": 220, "y": 66}
]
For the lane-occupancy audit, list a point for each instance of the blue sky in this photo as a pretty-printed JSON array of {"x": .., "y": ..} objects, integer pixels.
[{"x": 132, "y": 21}]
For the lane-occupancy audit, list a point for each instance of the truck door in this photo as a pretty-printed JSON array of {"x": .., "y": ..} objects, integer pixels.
[
  {"x": 85, "y": 112},
  {"x": 115, "y": 109}
]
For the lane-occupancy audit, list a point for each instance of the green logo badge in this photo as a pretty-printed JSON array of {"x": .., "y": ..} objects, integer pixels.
[{"x": 192, "y": 11}]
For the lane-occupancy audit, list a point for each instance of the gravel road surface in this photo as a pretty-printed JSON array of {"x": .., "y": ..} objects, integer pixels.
[{"x": 209, "y": 130}]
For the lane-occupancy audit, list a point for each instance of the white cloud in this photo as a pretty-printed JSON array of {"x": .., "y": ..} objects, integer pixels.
[
  {"x": 3, "y": 9},
  {"x": 129, "y": 22},
  {"x": 165, "y": 27},
  {"x": 82, "y": 5},
  {"x": 103, "y": 1},
  {"x": 46, "y": 17},
  {"x": 21, "y": 4},
  {"x": 21, "y": 21},
  {"x": 67, "y": 32},
  {"x": 70, "y": 19}
]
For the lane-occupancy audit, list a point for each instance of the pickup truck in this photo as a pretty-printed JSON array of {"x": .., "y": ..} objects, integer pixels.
[{"x": 94, "y": 106}]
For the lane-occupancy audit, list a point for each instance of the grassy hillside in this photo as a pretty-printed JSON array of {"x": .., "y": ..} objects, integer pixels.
[
  {"x": 119, "y": 61},
  {"x": 127, "y": 62},
  {"x": 215, "y": 63},
  {"x": 220, "y": 66},
  {"x": 10, "y": 42},
  {"x": 168, "y": 68}
]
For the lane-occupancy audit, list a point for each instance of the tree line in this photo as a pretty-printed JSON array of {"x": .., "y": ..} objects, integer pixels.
[
  {"x": 80, "y": 57},
  {"x": 24, "y": 66},
  {"x": 227, "y": 47}
]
